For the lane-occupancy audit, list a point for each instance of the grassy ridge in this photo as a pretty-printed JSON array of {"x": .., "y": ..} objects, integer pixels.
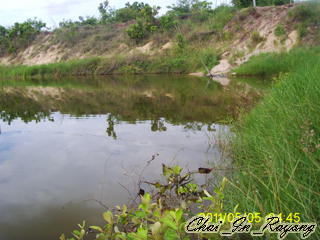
[
  {"x": 173, "y": 61},
  {"x": 276, "y": 147},
  {"x": 268, "y": 64}
]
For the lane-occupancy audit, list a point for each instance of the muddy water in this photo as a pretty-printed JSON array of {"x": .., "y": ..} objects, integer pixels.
[{"x": 60, "y": 137}]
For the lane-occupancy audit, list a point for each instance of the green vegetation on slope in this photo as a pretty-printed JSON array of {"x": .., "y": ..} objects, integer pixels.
[
  {"x": 187, "y": 30},
  {"x": 273, "y": 63},
  {"x": 182, "y": 59},
  {"x": 276, "y": 148}
]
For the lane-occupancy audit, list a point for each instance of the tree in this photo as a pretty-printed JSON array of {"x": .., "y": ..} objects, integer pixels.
[
  {"x": 107, "y": 13},
  {"x": 148, "y": 15},
  {"x": 103, "y": 7},
  {"x": 36, "y": 24},
  {"x": 126, "y": 14},
  {"x": 3, "y": 31},
  {"x": 181, "y": 7}
]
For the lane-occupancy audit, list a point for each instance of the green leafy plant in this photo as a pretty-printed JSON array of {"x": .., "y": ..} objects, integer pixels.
[
  {"x": 151, "y": 219},
  {"x": 136, "y": 30}
]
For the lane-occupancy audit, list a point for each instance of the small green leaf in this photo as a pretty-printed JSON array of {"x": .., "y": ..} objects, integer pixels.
[
  {"x": 132, "y": 209},
  {"x": 179, "y": 215},
  {"x": 139, "y": 214},
  {"x": 82, "y": 233},
  {"x": 146, "y": 199},
  {"x": 124, "y": 208},
  {"x": 184, "y": 205},
  {"x": 76, "y": 232},
  {"x": 142, "y": 233},
  {"x": 173, "y": 214},
  {"x": 62, "y": 237},
  {"x": 123, "y": 220},
  {"x": 157, "y": 185},
  {"x": 216, "y": 190},
  {"x": 156, "y": 213},
  {"x": 169, "y": 222},
  {"x": 96, "y": 228},
  {"x": 155, "y": 228},
  {"x": 207, "y": 198},
  {"x": 223, "y": 183},
  {"x": 165, "y": 171},
  {"x": 170, "y": 235},
  {"x": 135, "y": 220},
  {"x": 144, "y": 206},
  {"x": 108, "y": 217}
]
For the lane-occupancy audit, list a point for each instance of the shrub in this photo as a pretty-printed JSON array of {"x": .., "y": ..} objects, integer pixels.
[
  {"x": 279, "y": 31},
  {"x": 11, "y": 49},
  {"x": 255, "y": 36}
]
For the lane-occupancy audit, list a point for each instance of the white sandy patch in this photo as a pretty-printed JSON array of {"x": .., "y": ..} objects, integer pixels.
[
  {"x": 166, "y": 46},
  {"x": 144, "y": 49},
  {"x": 222, "y": 68}
]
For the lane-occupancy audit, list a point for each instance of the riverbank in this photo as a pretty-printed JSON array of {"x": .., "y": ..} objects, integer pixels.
[
  {"x": 277, "y": 148},
  {"x": 171, "y": 61},
  {"x": 273, "y": 63},
  {"x": 223, "y": 40},
  {"x": 264, "y": 64}
]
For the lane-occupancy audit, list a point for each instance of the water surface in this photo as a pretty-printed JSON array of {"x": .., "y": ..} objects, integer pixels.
[{"x": 57, "y": 135}]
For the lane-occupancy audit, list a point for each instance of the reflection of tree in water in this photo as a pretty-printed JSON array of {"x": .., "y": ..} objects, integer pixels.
[
  {"x": 112, "y": 121},
  {"x": 14, "y": 106},
  {"x": 158, "y": 125},
  {"x": 196, "y": 126},
  {"x": 9, "y": 116}
]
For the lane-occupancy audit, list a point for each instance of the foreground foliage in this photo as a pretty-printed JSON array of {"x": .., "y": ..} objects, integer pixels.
[
  {"x": 277, "y": 146},
  {"x": 152, "y": 219}
]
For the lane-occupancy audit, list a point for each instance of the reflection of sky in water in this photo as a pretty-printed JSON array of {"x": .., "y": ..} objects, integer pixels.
[{"x": 46, "y": 165}]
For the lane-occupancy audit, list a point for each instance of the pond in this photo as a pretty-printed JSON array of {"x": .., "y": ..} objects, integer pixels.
[{"x": 65, "y": 141}]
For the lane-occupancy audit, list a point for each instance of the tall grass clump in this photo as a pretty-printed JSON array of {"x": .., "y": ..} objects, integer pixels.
[
  {"x": 276, "y": 149},
  {"x": 268, "y": 64}
]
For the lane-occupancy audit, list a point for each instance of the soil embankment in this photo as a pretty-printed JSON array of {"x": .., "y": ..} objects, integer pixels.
[{"x": 250, "y": 31}]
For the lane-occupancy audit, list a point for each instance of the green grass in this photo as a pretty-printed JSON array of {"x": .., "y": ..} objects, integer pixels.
[
  {"x": 268, "y": 64},
  {"x": 183, "y": 61},
  {"x": 275, "y": 147}
]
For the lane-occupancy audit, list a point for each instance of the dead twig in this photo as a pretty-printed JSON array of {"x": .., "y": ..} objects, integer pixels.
[{"x": 105, "y": 174}]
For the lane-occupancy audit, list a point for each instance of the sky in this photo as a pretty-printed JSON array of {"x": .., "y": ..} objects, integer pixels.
[{"x": 54, "y": 11}]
